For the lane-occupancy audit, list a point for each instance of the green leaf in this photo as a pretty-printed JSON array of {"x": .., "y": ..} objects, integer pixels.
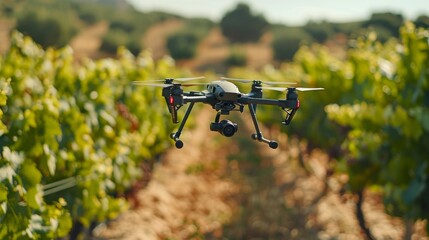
[
  {"x": 30, "y": 174},
  {"x": 52, "y": 131},
  {"x": 34, "y": 197},
  {"x": 422, "y": 116},
  {"x": 3, "y": 193},
  {"x": 30, "y": 120},
  {"x": 417, "y": 186},
  {"x": 65, "y": 224}
]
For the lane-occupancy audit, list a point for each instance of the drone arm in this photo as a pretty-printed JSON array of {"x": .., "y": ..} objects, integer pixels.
[
  {"x": 194, "y": 99},
  {"x": 289, "y": 106},
  {"x": 273, "y": 102}
]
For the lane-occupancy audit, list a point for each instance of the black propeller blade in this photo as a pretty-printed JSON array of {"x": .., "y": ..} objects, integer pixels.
[{"x": 251, "y": 81}]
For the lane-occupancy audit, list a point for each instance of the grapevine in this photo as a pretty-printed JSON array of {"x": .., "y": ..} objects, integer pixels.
[
  {"x": 73, "y": 135},
  {"x": 373, "y": 116},
  {"x": 387, "y": 141}
]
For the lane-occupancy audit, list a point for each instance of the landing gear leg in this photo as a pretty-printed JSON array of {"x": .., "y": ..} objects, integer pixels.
[
  {"x": 175, "y": 136},
  {"x": 258, "y": 135}
]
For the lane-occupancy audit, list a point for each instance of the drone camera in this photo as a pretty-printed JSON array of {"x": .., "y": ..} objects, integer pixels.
[{"x": 224, "y": 127}]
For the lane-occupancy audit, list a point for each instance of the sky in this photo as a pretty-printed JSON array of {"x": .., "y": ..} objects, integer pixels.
[{"x": 288, "y": 12}]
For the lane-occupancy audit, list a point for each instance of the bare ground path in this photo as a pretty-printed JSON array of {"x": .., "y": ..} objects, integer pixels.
[
  {"x": 236, "y": 188},
  {"x": 187, "y": 194},
  {"x": 156, "y": 36},
  {"x": 285, "y": 194},
  {"x": 6, "y": 25},
  {"x": 86, "y": 44}
]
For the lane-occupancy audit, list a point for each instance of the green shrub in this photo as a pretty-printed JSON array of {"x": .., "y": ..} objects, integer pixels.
[
  {"x": 46, "y": 30},
  {"x": 236, "y": 59},
  {"x": 88, "y": 17},
  {"x": 122, "y": 25},
  {"x": 422, "y": 21},
  {"x": 241, "y": 25},
  {"x": 287, "y": 43},
  {"x": 117, "y": 38},
  {"x": 320, "y": 31},
  {"x": 182, "y": 45},
  {"x": 385, "y": 24},
  {"x": 199, "y": 26}
]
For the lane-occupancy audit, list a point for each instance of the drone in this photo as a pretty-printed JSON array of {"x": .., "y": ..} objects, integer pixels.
[{"x": 224, "y": 97}]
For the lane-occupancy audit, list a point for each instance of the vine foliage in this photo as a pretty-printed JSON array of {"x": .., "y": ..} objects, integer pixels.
[{"x": 72, "y": 136}]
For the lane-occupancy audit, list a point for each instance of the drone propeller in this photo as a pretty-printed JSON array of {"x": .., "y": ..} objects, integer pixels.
[
  {"x": 282, "y": 89},
  {"x": 189, "y": 79},
  {"x": 251, "y": 81},
  {"x": 193, "y": 84},
  {"x": 144, "y": 83},
  {"x": 172, "y": 79}
]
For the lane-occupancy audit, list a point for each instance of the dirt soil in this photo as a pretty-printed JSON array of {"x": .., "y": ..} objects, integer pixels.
[
  {"x": 215, "y": 48},
  {"x": 155, "y": 37},
  {"x": 237, "y": 188},
  {"x": 6, "y": 26},
  {"x": 88, "y": 41},
  {"x": 259, "y": 54},
  {"x": 210, "y": 53}
]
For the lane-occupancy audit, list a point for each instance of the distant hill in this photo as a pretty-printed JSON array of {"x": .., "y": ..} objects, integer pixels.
[
  {"x": 118, "y": 4},
  {"x": 55, "y": 23}
]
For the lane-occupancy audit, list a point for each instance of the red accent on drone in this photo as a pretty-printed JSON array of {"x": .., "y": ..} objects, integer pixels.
[
  {"x": 297, "y": 104},
  {"x": 171, "y": 100}
]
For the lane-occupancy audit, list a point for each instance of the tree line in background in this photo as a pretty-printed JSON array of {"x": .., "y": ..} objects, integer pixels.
[{"x": 54, "y": 23}]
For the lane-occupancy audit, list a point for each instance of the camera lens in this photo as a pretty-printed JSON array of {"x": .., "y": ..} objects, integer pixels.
[
  {"x": 228, "y": 130},
  {"x": 225, "y": 127}
]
